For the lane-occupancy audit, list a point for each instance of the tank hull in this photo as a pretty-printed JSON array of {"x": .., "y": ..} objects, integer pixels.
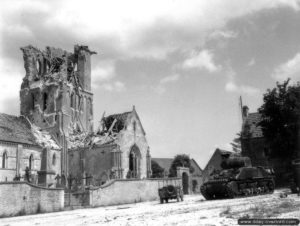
[{"x": 221, "y": 189}]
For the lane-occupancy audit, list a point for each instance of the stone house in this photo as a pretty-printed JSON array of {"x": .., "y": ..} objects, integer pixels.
[
  {"x": 195, "y": 178},
  {"x": 214, "y": 163},
  {"x": 255, "y": 146}
]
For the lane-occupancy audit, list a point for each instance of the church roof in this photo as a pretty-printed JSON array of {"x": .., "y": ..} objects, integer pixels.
[
  {"x": 251, "y": 125},
  {"x": 16, "y": 129},
  {"x": 121, "y": 120},
  {"x": 120, "y": 123}
]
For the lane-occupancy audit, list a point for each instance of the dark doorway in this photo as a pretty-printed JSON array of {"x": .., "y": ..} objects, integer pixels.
[
  {"x": 134, "y": 162},
  {"x": 185, "y": 183},
  {"x": 194, "y": 184}
]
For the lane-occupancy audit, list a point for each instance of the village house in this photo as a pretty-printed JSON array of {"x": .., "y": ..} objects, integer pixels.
[
  {"x": 195, "y": 177},
  {"x": 255, "y": 146}
]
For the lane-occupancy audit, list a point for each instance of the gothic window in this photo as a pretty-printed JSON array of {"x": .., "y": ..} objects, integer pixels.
[
  {"x": 31, "y": 162},
  {"x": 54, "y": 159},
  {"x": 32, "y": 101},
  {"x": 72, "y": 100},
  {"x": 45, "y": 101},
  {"x": 38, "y": 67},
  {"x": 4, "y": 160},
  {"x": 90, "y": 106}
]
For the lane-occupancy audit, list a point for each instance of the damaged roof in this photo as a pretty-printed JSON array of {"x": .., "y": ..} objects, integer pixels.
[
  {"x": 120, "y": 123},
  {"x": 16, "y": 129},
  {"x": 251, "y": 125}
]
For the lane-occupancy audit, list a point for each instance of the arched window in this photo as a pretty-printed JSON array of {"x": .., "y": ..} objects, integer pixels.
[
  {"x": 45, "y": 101},
  {"x": 32, "y": 101},
  {"x": 38, "y": 67},
  {"x": 31, "y": 162},
  {"x": 72, "y": 100},
  {"x": 4, "y": 160},
  {"x": 54, "y": 159}
]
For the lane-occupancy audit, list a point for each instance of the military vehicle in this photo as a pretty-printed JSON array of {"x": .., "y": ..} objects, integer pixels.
[
  {"x": 238, "y": 179},
  {"x": 170, "y": 192}
]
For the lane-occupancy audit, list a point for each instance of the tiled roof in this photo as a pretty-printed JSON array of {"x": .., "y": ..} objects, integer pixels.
[
  {"x": 121, "y": 119},
  {"x": 15, "y": 129},
  {"x": 193, "y": 162},
  {"x": 251, "y": 127},
  {"x": 164, "y": 162}
]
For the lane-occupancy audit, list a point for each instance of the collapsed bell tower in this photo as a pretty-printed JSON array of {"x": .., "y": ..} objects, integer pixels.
[{"x": 56, "y": 93}]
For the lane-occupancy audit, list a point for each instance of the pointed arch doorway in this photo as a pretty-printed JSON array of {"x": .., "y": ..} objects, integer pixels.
[{"x": 134, "y": 162}]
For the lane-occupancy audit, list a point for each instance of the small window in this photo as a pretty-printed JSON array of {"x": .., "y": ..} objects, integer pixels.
[
  {"x": 45, "y": 101},
  {"x": 31, "y": 162},
  {"x": 72, "y": 100},
  {"x": 39, "y": 67},
  {"x": 32, "y": 101},
  {"x": 4, "y": 160},
  {"x": 54, "y": 159}
]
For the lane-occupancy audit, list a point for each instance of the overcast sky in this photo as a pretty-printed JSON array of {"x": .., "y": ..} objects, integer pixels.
[{"x": 183, "y": 64}]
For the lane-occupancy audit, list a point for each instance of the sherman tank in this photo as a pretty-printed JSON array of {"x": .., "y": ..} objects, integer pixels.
[{"x": 238, "y": 179}]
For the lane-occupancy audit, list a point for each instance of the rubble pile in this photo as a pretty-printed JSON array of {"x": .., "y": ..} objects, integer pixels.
[{"x": 43, "y": 137}]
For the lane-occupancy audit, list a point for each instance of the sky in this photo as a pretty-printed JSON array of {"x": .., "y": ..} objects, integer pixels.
[{"x": 183, "y": 64}]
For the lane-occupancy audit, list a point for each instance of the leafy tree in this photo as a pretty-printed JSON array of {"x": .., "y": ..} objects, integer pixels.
[
  {"x": 157, "y": 171},
  {"x": 180, "y": 161},
  {"x": 280, "y": 119},
  {"x": 236, "y": 143}
]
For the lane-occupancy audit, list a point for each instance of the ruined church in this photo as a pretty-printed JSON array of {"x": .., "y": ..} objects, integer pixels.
[{"x": 53, "y": 141}]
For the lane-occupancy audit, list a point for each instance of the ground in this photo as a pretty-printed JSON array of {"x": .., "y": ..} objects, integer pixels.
[{"x": 194, "y": 210}]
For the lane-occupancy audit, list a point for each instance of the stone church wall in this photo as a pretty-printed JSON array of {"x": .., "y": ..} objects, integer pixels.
[
  {"x": 20, "y": 198},
  {"x": 96, "y": 162},
  {"x": 127, "y": 139},
  {"x": 129, "y": 191},
  {"x": 8, "y": 173}
]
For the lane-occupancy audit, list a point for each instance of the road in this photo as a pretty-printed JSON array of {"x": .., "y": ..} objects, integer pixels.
[{"x": 194, "y": 210}]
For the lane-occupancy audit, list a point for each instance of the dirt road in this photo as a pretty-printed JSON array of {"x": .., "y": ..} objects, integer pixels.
[{"x": 194, "y": 210}]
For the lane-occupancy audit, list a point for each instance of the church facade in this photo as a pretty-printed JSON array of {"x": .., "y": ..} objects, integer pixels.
[{"x": 57, "y": 119}]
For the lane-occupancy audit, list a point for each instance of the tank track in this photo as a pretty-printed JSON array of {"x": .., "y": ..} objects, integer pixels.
[{"x": 245, "y": 188}]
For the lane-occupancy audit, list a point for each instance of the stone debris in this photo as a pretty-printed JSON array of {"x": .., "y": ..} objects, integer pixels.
[{"x": 43, "y": 138}]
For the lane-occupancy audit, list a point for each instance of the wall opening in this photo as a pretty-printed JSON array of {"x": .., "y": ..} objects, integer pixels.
[
  {"x": 134, "y": 162},
  {"x": 185, "y": 183},
  {"x": 45, "y": 101},
  {"x": 39, "y": 67},
  {"x": 54, "y": 159},
  {"x": 4, "y": 160},
  {"x": 31, "y": 162},
  {"x": 72, "y": 100},
  {"x": 32, "y": 101}
]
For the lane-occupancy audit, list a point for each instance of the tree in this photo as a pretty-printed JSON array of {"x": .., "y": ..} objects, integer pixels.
[
  {"x": 280, "y": 119},
  {"x": 157, "y": 171},
  {"x": 236, "y": 144},
  {"x": 180, "y": 161}
]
